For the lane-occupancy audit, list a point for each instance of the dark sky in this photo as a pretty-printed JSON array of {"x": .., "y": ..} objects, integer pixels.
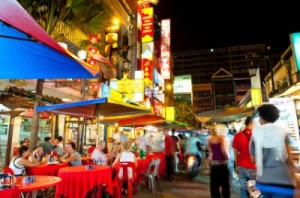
[{"x": 213, "y": 24}]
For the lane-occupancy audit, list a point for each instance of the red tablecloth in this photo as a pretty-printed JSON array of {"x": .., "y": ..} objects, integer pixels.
[
  {"x": 10, "y": 193},
  {"x": 41, "y": 182},
  {"x": 51, "y": 170},
  {"x": 142, "y": 165},
  {"x": 162, "y": 166},
  {"x": 77, "y": 181}
]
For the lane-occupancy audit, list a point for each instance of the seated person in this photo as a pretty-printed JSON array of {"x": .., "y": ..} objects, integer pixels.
[
  {"x": 98, "y": 155},
  {"x": 116, "y": 149},
  {"x": 59, "y": 148},
  {"x": 72, "y": 156},
  {"x": 37, "y": 155},
  {"x": 125, "y": 156},
  {"x": 20, "y": 162}
]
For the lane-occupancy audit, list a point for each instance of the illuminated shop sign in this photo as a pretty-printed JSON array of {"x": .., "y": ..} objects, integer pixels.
[
  {"x": 256, "y": 97},
  {"x": 147, "y": 25},
  {"x": 133, "y": 89},
  {"x": 141, "y": 2},
  {"x": 183, "y": 84},
  {"x": 295, "y": 40},
  {"x": 147, "y": 62},
  {"x": 165, "y": 48},
  {"x": 158, "y": 108}
]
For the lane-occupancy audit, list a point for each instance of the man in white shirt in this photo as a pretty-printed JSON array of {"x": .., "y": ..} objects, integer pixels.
[{"x": 98, "y": 155}]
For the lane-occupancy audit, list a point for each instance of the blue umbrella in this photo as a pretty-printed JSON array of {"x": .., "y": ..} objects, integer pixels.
[{"x": 28, "y": 52}]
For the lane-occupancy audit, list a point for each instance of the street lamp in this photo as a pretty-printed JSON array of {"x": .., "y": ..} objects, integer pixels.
[{"x": 252, "y": 71}]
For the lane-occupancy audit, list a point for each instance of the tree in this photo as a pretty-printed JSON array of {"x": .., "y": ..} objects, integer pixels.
[
  {"x": 184, "y": 113},
  {"x": 51, "y": 14}
]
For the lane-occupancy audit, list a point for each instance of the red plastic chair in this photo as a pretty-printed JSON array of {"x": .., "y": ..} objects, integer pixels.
[
  {"x": 8, "y": 170},
  {"x": 130, "y": 179}
]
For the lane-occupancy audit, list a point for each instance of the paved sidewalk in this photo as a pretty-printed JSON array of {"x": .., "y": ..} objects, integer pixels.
[{"x": 183, "y": 187}]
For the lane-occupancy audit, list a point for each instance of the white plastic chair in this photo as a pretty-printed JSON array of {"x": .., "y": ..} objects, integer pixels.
[{"x": 152, "y": 174}]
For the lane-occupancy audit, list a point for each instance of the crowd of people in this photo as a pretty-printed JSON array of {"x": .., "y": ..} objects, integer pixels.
[
  {"x": 260, "y": 153},
  {"x": 236, "y": 156}
]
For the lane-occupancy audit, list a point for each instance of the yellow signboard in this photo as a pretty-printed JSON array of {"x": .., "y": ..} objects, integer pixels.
[
  {"x": 256, "y": 96},
  {"x": 170, "y": 113},
  {"x": 141, "y": 2},
  {"x": 131, "y": 86},
  {"x": 115, "y": 95}
]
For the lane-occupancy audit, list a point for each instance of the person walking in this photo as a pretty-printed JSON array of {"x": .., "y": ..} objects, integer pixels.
[
  {"x": 176, "y": 150},
  {"x": 245, "y": 168},
  {"x": 169, "y": 154},
  {"x": 219, "y": 153},
  {"x": 275, "y": 175}
]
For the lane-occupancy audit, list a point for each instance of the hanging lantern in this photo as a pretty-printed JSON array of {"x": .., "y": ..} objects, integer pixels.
[
  {"x": 81, "y": 54},
  {"x": 93, "y": 39},
  {"x": 92, "y": 49},
  {"x": 92, "y": 61}
]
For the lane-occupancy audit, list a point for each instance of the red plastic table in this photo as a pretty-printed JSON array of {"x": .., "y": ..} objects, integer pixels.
[
  {"x": 10, "y": 193},
  {"x": 77, "y": 181},
  {"x": 142, "y": 165},
  {"x": 42, "y": 182},
  {"x": 51, "y": 170},
  {"x": 162, "y": 165}
]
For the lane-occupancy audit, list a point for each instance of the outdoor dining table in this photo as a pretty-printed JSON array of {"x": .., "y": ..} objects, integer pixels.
[
  {"x": 10, "y": 193},
  {"x": 42, "y": 182},
  {"x": 162, "y": 165},
  {"x": 77, "y": 181},
  {"x": 46, "y": 169}
]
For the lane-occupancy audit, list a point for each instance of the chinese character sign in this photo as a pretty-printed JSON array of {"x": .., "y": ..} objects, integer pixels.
[{"x": 165, "y": 48}]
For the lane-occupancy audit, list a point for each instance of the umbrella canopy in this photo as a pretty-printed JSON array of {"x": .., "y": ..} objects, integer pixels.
[
  {"x": 95, "y": 107},
  {"x": 142, "y": 121},
  {"x": 224, "y": 115},
  {"x": 28, "y": 52}
]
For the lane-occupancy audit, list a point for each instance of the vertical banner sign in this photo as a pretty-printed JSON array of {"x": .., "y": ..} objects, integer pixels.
[
  {"x": 147, "y": 45},
  {"x": 295, "y": 40},
  {"x": 165, "y": 48},
  {"x": 147, "y": 25}
]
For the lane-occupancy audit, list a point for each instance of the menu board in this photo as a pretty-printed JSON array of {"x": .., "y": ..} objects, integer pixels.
[{"x": 288, "y": 116}]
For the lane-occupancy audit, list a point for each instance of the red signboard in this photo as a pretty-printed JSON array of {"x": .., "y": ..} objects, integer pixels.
[
  {"x": 148, "y": 71},
  {"x": 147, "y": 25},
  {"x": 158, "y": 108}
]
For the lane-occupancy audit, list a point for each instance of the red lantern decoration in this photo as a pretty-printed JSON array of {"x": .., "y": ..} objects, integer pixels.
[
  {"x": 92, "y": 61},
  {"x": 94, "y": 39},
  {"x": 93, "y": 50}
]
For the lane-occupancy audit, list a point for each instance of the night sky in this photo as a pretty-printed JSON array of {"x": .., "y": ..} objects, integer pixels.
[{"x": 213, "y": 24}]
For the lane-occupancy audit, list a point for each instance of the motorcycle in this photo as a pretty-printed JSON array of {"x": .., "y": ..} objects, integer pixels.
[{"x": 193, "y": 163}]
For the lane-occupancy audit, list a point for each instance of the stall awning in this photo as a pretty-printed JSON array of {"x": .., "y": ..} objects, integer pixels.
[
  {"x": 95, "y": 107},
  {"x": 28, "y": 52}
]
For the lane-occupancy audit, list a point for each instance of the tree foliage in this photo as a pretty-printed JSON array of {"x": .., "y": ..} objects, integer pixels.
[
  {"x": 184, "y": 113},
  {"x": 89, "y": 17}
]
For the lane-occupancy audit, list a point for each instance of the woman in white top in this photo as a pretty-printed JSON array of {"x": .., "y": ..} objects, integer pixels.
[
  {"x": 20, "y": 162},
  {"x": 125, "y": 156}
]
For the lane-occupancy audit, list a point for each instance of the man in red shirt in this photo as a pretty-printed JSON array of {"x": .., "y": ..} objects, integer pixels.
[
  {"x": 245, "y": 168},
  {"x": 169, "y": 154}
]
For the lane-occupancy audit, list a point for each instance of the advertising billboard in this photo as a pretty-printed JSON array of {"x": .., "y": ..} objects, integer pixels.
[
  {"x": 182, "y": 84},
  {"x": 165, "y": 48}
]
